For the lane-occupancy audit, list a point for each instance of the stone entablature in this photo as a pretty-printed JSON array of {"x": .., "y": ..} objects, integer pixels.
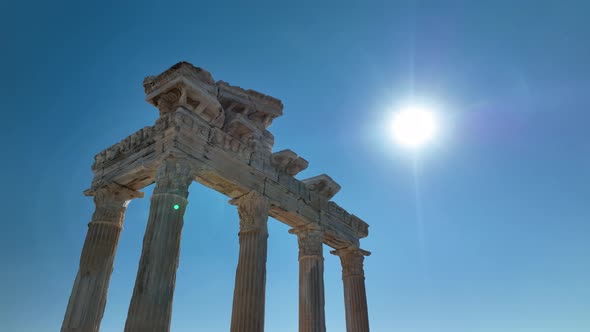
[
  {"x": 189, "y": 134},
  {"x": 215, "y": 134}
]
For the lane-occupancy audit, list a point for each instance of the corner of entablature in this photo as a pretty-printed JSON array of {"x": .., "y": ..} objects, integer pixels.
[
  {"x": 351, "y": 250},
  {"x": 288, "y": 162},
  {"x": 323, "y": 185},
  {"x": 113, "y": 190},
  {"x": 186, "y": 86}
]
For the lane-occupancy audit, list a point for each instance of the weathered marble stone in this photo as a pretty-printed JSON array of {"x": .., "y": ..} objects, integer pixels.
[
  {"x": 311, "y": 279},
  {"x": 89, "y": 294},
  {"x": 216, "y": 134},
  {"x": 249, "y": 291},
  {"x": 355, "y": 296},
  {"x": 151, "y": 304},
  {"x": 288, "y": 162},
  {"x": 322, "y": 185}
]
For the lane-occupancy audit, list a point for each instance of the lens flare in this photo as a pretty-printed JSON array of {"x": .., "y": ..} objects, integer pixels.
[{"x": 414, "y": 126}]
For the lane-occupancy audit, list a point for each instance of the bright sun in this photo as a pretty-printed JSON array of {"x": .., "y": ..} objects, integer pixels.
[{"x": 413, "y": 126}]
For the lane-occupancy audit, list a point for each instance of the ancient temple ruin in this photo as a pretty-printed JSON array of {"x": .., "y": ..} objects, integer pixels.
[{"x": 215, "y": 134}]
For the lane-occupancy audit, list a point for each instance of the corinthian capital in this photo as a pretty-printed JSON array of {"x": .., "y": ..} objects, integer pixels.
[
  {"x": 352, "y": 261},
  {"x": 111, "y": 201},
  {"x": 174, "y": 176},
  {"x": 310, "y": 241},
  {"x": 253, "y": 209}
]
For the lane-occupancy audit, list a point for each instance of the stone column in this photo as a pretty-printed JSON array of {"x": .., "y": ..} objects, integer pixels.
[
  {"x": 151, "y": 304},
  {"x": 89, "y": 294},
  {"x": 311, "y": 280},
  {"x": 355, "y": 296},
  {"x": 249, "y": 291}
]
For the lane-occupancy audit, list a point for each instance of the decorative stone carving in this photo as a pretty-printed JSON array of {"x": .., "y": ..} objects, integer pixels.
[
  {"x": 184, "y": 85},
  {"x": 266, "y": 142},
  {"x": 168, "y": 102},
  {"x": 136, "y": 141},
  {"x": 221, "y": 130},
  {"x": 179, "y": 70},
  {"x": 323, "y": 185},
  {"x": 229, "y": 143},
  {"x": 310, "y": 241},
  {"x": 173, "y": 177},
  {"x": 240, "y": 128},
  {"x": 163, "y": 122},
  {"x": 282, "y": 158},
  {"x": 258, "y": 108},
  {"x": 180, "y": 130},
  {"x": 111, "y": 202},
  {"x": 288, "y": 162},
  {"x": 352, "y": 261},
  {"x": 253, "y": 211},
  {"x": 266, "y": 108},
  {"x": 296, "y": 166}
]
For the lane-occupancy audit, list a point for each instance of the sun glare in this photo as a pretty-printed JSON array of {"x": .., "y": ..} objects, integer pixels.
[{"x": 413, "y": 126}]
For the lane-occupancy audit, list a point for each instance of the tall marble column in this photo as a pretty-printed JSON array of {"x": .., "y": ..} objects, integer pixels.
[
  {"x": 249, "y": 291},
  {"x": 311, "y": 279},
  {"x": 151, "y": 304},
  {"x": 355, "y": 296},
  {"x": 89, "y": 294}
]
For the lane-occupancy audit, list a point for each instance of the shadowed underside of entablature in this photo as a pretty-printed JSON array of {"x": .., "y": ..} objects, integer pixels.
[{"x": 222, "y": 131}]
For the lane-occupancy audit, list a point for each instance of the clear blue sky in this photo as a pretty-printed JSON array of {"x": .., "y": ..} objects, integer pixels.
[{"x": 498, "y": 240}]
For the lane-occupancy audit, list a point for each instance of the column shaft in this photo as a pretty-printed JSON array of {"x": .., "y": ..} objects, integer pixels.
[
  {"x": 249, "y": 291},
  {"x": 355, "y": 300},
  {"x": 89, "y": 293},
  {"x": 355, "y": 296},
  {"x": 311, "y": 280},
  {"x": 151, "y": 304}
]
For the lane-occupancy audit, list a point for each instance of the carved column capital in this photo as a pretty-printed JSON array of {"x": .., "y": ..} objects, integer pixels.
[
  {"x": 352, "y": 261},
  {"x": 253, "y": 211},
  {"x": 174, "y": 176},
  {"x": 310, "y": 241},
  {"x": 111, "y": 201}
]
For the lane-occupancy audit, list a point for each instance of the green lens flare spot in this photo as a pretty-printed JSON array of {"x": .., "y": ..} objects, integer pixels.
[{"x": 176, "y": 206}]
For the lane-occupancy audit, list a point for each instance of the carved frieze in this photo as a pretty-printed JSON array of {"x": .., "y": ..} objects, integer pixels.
[
  {"x": 224, "y": 127},
  {"x": 333, "y": 213},
  {"x": 218, "y": 137},
  {"x": 136, "y": 141}
]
